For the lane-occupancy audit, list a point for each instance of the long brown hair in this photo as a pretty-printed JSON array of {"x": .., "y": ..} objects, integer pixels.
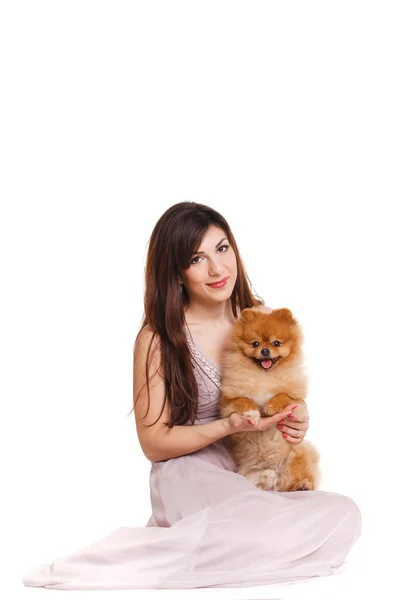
[{"x": 175, "y": 237}]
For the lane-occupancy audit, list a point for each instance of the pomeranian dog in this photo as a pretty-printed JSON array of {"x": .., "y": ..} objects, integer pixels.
[{"x": 262, "y": 373}]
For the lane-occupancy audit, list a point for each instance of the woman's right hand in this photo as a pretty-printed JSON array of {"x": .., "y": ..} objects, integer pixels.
[{"x": 237, "y": 422}]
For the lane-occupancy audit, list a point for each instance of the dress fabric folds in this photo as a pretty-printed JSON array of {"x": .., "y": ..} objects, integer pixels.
[{"x": 211, "y": 527}]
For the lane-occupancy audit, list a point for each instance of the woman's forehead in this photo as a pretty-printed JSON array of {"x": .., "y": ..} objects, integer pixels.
[{"x": 213, "y": 236}]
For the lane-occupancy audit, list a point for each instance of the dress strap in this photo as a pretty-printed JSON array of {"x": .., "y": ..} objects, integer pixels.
[{"x": 202, "y": 361}]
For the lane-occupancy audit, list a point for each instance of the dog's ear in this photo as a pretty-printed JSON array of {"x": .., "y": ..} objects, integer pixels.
[{"x": 285, "y": 315}]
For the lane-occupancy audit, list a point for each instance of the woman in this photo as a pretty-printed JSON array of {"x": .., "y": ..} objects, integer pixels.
[{"x": 210, "y": 526}]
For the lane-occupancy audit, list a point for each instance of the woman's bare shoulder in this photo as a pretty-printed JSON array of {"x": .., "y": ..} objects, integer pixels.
[
  {"x": 264, "y": 308},
  {"x": 145, "y": 338},
  {"x": 260, "y": 307}
]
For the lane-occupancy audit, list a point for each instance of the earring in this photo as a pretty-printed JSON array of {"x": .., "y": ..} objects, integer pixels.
[{"x": 180, "y": 285}]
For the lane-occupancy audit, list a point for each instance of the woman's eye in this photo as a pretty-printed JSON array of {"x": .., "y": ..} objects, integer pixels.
[
  {"x": 255, "y": 344},
  {"x": 276, "y": 343},
  {"x": 197, "y": 262}
]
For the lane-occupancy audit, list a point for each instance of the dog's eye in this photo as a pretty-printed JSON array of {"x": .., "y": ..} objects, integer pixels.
[
  {"x": 255, "y": 344},
  {"x": 276, "y": 343}
]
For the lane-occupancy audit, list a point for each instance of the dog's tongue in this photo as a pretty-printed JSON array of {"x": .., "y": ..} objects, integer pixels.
[{"x": 266, "y": 363}]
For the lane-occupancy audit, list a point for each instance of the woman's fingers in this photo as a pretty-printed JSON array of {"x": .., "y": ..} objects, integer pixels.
[
  {"x": 293, "y": 440},
  {"x": 290, "y": 426},
  {"x": 291, "y": 430},
  {"x": 267, "y": 422},
  {"x": 239, "y": 421},
  {"x": 293, "y": 433},
  {"x": 284, "y": 414}
]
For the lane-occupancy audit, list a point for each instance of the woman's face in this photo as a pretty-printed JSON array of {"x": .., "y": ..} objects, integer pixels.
[{"x": 213, "y": 261}]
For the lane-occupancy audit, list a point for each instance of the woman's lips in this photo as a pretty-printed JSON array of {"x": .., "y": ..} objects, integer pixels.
[{"x": 218, "y": 285}]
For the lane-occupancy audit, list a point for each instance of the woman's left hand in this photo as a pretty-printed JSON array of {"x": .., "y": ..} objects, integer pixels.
[{"x": 294, "y": 427}]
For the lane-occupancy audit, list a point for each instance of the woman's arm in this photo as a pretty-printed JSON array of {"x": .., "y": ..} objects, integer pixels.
[
  {"x": 158, "y": 441},
  {"x": 184, "y": 439}
]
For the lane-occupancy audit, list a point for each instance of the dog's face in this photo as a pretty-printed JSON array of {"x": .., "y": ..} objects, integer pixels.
[{"x": 267, "y": 339}]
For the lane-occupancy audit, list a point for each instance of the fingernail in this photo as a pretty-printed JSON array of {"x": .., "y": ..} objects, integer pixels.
[
  {"x": 291, "y": 417},
  {"x": 250, "y": 421},
  {"x": 284, "y": 435},
  {"x": 295, "y": 407}
]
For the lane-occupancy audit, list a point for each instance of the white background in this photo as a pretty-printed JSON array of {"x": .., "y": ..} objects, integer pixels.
[{"x": 284, "y": 117}]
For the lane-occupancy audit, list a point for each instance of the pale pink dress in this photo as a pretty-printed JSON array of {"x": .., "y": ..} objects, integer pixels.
[{"x": 211, "y": 527}]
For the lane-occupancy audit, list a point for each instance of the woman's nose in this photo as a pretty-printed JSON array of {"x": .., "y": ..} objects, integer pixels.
[{"x": 215, "y": 266}]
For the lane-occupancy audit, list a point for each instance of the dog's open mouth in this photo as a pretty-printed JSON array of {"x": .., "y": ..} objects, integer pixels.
[{"x": 267, "y": 363}]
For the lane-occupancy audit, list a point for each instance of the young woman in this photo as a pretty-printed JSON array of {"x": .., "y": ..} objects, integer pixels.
[{"x": 210, "y": 527}]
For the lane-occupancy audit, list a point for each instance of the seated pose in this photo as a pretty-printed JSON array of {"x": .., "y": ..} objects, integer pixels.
[{"x": 210, "y": 526}]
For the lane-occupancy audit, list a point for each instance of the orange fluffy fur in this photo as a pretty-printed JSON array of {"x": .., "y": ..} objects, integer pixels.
[{"x": 264, "y": 457}]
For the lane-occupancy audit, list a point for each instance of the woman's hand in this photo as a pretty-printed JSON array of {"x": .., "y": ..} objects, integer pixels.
[
  {"x": 294, "y": 427},
  {"x": 237, "y": 422}
]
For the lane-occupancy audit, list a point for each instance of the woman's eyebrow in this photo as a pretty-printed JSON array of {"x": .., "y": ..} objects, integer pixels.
[{"x": 201, "y": 252}]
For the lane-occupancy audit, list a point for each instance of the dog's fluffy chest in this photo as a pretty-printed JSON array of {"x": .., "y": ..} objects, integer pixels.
[
  {"x": 261, "y": 398},
  {"x": 261, "y": 387}
]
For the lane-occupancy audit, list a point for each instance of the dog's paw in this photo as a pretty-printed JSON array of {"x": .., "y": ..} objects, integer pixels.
[
  {"x": 304, "y": 485},
  {"x": 253, "y": 414},
  {"x": 276, "y": 404},
  {"x": 270, "y": 410}
]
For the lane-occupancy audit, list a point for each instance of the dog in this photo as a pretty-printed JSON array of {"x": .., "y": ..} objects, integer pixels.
[{"x": 262, "y": 373}]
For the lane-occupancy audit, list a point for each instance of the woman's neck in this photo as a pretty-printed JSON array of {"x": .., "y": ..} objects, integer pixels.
[{"x": 216, "y": 316}]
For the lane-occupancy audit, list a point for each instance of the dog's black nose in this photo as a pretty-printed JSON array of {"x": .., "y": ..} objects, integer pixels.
[{"x": 265, "y": 351}]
